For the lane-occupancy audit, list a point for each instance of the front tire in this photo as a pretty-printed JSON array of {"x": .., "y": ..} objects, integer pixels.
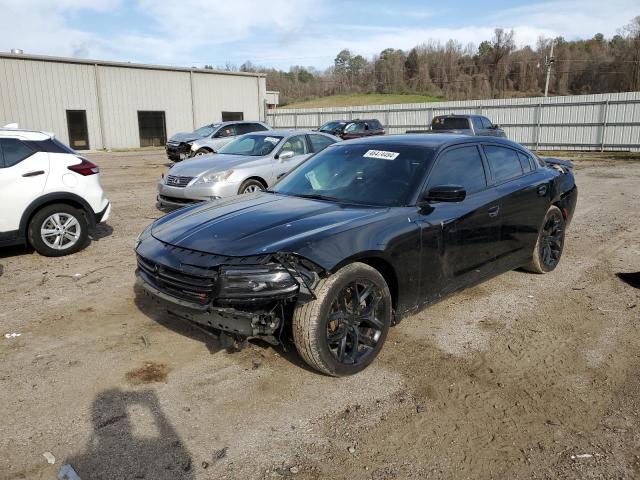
[
  {"x": 550, "y": 243},
  {"x": 251, "y": 186},
  {"x": 202, "y": 151},
  {"x": 58, "y": 230},
  {"x": 342, "y": 331}
]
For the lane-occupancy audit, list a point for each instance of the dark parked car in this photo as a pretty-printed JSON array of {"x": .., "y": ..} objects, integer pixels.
[
  {"x": 358, "y": 236},
  {"x": 463, "y": 124},
  {"x": 349, "y": 129}
]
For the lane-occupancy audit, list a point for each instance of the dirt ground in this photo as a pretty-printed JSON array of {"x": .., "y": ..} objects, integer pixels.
[{"x": 517, "y": 378}]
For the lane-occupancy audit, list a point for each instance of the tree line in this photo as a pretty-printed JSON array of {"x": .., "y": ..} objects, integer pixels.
[{"x": 495, "y": 69}]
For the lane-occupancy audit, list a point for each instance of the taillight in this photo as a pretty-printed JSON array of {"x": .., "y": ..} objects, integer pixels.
[{"x": 85, "y": 167}]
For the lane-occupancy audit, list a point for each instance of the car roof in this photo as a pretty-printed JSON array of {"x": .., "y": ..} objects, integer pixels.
[
  {"x": 285, "y": 133},
  {"x": 429, "y": 140},
  {"x": 234, "y": 122},
  {"x": 24, "y": 134}
]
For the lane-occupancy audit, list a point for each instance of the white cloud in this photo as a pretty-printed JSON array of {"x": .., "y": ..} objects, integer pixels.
[{"x": 280, "y": 32}]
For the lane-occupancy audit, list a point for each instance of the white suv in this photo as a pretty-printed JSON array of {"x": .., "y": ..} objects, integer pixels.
[{"x": 49, "y": 196}]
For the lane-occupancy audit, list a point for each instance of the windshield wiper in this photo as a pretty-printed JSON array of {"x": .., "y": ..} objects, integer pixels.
[{"x": 316, "y": 196}]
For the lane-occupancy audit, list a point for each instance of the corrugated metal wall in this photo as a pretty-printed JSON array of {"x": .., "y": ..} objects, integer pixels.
[
  {"x": 37, "y": 95},
  {"x": 580, "y": 122},
  {"x": 36, "y": 92}
]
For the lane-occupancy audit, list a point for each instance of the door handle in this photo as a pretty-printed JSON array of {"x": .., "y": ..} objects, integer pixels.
[
  {"x": 33, "y": 174},
  {"x": 493, "y": 211},
  {"x": 281, "y": 175},
  {"x": 542, "y": 190}
]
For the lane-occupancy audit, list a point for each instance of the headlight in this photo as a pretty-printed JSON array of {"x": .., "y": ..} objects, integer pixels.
[
  {"x": 213, "y": 177},
  {"x": 256, "y": 281}
]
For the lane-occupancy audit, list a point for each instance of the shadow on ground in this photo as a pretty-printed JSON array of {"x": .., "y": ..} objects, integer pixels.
[{"x": 132, "y": 439}]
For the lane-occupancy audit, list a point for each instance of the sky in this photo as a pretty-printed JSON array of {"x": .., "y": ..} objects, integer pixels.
[{"x": 281, "y": 33}]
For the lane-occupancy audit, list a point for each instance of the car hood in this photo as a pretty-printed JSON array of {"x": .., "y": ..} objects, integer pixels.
[
  {"x": 248, "y": 225},
  {"x": 184, "y": 137},
  {"x": 194, "y": 166}
]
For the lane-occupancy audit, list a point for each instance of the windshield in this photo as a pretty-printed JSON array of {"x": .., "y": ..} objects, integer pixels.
[
  {"x": 253, "y": 145},
  {"x": 332, "y": 126},
  {"x": 360, "y": 174},
  {"x": 206, "y": 130},
  {"x": 449, "y": 123}
]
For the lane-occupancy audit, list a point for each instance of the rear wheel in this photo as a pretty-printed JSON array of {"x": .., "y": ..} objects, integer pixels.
[
  {"x": 342, "y": 331},
  {"x": 548, "y": 249},
  {"x": 251, "y": 186},
  {"x": 58, "y": 230}
]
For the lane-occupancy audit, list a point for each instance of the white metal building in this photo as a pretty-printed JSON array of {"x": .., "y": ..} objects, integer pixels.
[{"x": 92, "y": 104}]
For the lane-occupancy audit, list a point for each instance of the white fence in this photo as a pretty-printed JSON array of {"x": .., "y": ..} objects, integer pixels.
[{"x": 602, "y": 122}]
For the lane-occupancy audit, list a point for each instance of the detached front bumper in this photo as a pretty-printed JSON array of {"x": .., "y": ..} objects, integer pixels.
[
  {"x": 170, "y": 197},
  {"x": 177, "y": 152}
]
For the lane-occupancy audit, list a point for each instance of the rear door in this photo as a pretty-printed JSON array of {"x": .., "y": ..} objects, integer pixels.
[
  {"x": 459, "y": 238},
  {"x": 524, "y": 197},
  {"x": 23, "y": 176}
]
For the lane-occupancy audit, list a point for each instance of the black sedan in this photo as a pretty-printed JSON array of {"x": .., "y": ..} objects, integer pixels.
[{"x": 358, "y": 236}]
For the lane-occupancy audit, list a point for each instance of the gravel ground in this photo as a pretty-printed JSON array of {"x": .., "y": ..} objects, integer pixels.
[{"x": 520, "y": 377}]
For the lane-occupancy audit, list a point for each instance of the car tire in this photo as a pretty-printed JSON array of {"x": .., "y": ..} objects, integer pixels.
[
  {"x": 251, "y": 186},
  {"x": 202, "y": 151},
  {"x": 550, "y": 243},
  {"x": 324, "y": 329},
  {"x": 71, "y": 224}
]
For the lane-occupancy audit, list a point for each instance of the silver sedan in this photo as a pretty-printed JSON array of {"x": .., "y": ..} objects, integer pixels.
[{"x": 248, "y": 164}]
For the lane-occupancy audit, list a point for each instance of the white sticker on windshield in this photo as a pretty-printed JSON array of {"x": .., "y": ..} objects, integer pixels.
[
  {"x": 273, "y": 140},
  {"x": 381, "y": 154}
]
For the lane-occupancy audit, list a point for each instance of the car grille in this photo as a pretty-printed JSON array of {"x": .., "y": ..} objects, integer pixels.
[
  {"x": 192, "y": 288},
  {"x": 176, "y": 181}
]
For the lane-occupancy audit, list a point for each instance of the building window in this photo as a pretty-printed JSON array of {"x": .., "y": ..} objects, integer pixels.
[
  {"x": 153, "y": 129},
  {"x": 78, "y": 131},
  {"x": 232, "y": 116}
]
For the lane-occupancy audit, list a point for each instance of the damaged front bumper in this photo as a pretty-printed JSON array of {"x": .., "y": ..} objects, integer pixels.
[{"x": 233, "y": 297}]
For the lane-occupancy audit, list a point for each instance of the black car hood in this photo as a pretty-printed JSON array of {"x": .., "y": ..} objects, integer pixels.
[
  {"x": 247, "y": 225},
  {"x": 184, "y": 137}
]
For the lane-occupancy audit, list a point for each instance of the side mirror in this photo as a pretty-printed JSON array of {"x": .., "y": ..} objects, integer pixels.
[
  {"x": 496, "y": 126},
  {"x": 445, "y": 193},
  {"x": 286, "y": 155}
]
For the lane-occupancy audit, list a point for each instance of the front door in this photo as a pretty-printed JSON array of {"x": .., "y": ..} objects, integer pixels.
[
  {"x": 301, "y": 151},
  {"x": 459, "y": 238},
  {"x": 23, "y": 175}
]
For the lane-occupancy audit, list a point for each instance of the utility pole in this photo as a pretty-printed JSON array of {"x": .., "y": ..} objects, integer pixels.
[{"x": 548, "y": 61}]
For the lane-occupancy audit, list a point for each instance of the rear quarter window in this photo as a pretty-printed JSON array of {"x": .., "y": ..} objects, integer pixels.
[{"x": 14, "y": 151}]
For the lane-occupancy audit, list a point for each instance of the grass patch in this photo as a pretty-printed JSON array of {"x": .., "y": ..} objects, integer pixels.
[{"x": 356, "y": 99}]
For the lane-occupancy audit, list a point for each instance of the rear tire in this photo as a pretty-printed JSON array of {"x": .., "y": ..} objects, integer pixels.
[
  {"x": 338, "y": 333},
  {"x": 550, "y": 243},
  {"x": 58, "y": 230}
]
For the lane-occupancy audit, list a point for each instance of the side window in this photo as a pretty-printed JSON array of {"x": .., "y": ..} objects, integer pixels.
[
  {"x": 477, "y": 123},
  {"x": 357, "y": 127},
  {"x": 319, "y": 142},
  {"x": 378, "y": 125},
  {"x": 504, "y": 162},
  {"x": 486, "y": 123},
  {"x": 228, "y": 131},
  {"x": 258, "y": 127},
  {"x": 460, "y": 166},
  {"x": 297, "y": 144},
  {"x": 525, "y": 162},
  {"x": 14, "y": 151},
  {"x": 243, "y": 128}
]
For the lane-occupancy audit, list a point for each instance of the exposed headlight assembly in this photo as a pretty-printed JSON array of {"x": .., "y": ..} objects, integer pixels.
[
  {"x": 256, "y": 281},
  {"x": 213, "y": 176}
]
